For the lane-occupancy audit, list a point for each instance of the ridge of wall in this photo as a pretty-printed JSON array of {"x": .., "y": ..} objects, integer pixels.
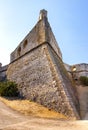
[{"x": 41, "y": 33}]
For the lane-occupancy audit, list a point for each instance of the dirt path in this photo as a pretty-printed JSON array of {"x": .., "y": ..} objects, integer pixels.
[{"x": 11, "y": 120}]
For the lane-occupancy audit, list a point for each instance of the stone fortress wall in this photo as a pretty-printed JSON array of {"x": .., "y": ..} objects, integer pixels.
[
  {"x": 77, "y": 70},
  {"x": 40, "y": 34},
  {"x": 3, "y": 70},
  {"x": 36, "y": 66}
]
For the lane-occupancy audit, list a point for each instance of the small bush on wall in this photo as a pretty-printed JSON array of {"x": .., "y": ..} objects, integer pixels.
[
  {"x": 84, "y": 80},
  {"x": 8, "y": 89}
]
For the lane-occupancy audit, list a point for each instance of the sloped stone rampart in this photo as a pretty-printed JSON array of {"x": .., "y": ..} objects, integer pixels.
[{"x": 38, "y": 81}]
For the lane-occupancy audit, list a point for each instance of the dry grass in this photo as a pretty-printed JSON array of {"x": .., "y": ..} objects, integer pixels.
[{"x": 31, "y": 108}]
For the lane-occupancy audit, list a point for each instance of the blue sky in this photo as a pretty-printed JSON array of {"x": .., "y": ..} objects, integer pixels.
[{"x": 68, "y": 19}]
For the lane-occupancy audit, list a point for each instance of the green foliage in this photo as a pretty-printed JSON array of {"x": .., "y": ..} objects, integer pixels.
[
  {"x": 84, "y": 80},
  {"x": 8, "y": 89}
]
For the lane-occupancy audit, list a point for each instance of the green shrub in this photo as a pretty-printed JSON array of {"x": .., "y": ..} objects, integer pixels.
[
  {"x": 8, "y": 89},
  {"x": 84, "y": 80}
]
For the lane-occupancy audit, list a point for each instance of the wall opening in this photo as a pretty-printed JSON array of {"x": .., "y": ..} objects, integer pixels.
[
  {"x": 19, "y": 51},
  {"x": 25, "y": 43}
]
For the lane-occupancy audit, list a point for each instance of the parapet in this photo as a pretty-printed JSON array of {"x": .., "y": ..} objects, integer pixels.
[
  {"x": 40, "y": 34},
  {"x": 77, "y": 70},
  {"x": 81, "y": 69},
  {"x": 3, "y": 70}
]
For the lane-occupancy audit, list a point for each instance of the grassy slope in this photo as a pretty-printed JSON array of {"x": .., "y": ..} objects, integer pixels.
[{"x": 31, "y": 108}]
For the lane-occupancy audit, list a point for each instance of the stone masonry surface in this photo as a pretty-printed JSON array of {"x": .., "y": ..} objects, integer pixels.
[
  {"x": 36, "y": 66},
  {"x": 36, "y": 76}
]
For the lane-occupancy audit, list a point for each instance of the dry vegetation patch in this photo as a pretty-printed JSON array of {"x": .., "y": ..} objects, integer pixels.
[{"x": 31, "y": 108}]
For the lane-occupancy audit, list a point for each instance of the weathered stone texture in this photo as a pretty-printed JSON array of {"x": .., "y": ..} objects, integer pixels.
[
  {"x": 36, "y": 73},
  {"x": 83, "y": 100},
  {"x": 41, "y": 33},
  {"x": 80, "y": 70},
  {"x": 37, "y": 67},
  {"x": 32, "y": 70},
  {"x": 63, "y": 78},
  {"x": 33, "y": 39}
]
